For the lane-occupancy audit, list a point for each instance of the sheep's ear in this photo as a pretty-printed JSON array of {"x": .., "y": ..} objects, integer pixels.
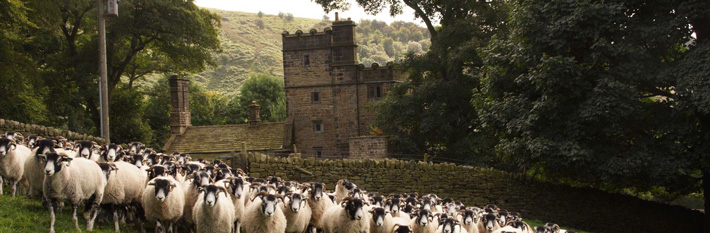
[
  {"x": 151, "y": 183},
  {"x": 201, "y": 189},
  {"x": 68, "y": 160},
  {"x": 13, "y": 145},
  {"x": 114, "y": 167},
  {"x": 371, "y": 210}
]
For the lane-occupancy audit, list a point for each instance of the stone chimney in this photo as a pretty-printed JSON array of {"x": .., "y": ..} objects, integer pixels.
[
  {"x": 180, "y": 114},
  {"x": 254, "y": 119},
  {"x": 336, "y": 16}
]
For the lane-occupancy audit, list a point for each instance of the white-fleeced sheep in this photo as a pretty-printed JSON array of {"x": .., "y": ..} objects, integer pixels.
[
  {"x": 382, "y": 221},
  {"x": 74, "y": 181},
  {"x": 471, "y": 221},
  {"x": 319, "y": 203},
  {"x": 450, "y": 225},
  {"x": 87, "y": 150},
  {"x": 124, "y": 187},
  {"x": 348, "y": 217},
  {"x": 238, "y": 192},
  {"x": 424, "y": 222},
  {"x": 342, "y": 189},
  {"x": 191, "y": 190},
  {"x": 264, "y": 215},
  {"x": 12, "y": 162},
  {"x": 34, "y": 166},
  {"x": 490, "y": 223},
  {"x": 214, "y": 211},
  {"x": 298, "y": 213},
  {"x": 163, "y": 201}
]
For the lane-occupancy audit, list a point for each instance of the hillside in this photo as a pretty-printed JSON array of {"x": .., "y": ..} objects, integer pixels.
[{"x": 252, "y": 44}]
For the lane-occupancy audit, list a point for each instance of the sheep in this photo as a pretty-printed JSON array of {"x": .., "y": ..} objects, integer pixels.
[
  {"x": 401, "y": 228},
  {"x": 32, "y": 141},
  {"x": 382, "y": 221},
  {"x": 342, "y": 188},
  {"x": 392, "y": 205},
  {"x": 297, "y": 212},
  {"x": 163, "y": 201},
  {"x": 87, "y": 150},
  {"x": 73, "y": 180},
  {"x": 515, "y": 227},
  {"x": 110, "y": 152},
  {"x": 135, "y": 148},
  {"x": 125, "y": 185},
  {"x": 554, "y": 228},
  {"x": 470, "y": 220},
  {"x": 34, "y": 169},
  {"x": 191, "y": 192},
  {"x": 264, "y": 215},
  {"x": 348, "y": 217},
  {"x": 318, "y": 203},
  {"x": 214, "y": 212},
  {"x": 450, "y": 225},
  {"x": 237, "y": 193},
  {"x": 424, "y": 222},
  {"x": 490, "y": 223},
  {"x": 12, "y": 162}
]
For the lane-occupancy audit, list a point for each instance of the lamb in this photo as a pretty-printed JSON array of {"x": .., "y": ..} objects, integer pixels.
[
  {"x": 74, "y": 181},
  {"x": 318, "y": 204},
  {"x": 214, "y": 212},
  {"x": 34, "y": 169},
  {"x": 163, "y": 201},
  {"x": 125, "y": 185},
  {"x": 191, "y": 191},
  {"x": 342, "y": 188},
  {"x": 264, "y": 215},
  {"x": 297, "y": 212},
  {"x": 424, "y": 223},
  {"x": 12, "y": 162},
  {"x": 349, "y": 217}
]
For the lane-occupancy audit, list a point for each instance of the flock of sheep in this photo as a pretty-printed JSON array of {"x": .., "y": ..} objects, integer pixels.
[{"x": 138, "y": 184}]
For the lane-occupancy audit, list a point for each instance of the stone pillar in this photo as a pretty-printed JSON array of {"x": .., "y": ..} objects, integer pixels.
[
  {"x": 254, "y": 119},
  {"x": 179, "y": 100}
]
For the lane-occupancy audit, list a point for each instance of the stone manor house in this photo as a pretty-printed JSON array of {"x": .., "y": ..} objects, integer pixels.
[{"x": 327, "y": 94}]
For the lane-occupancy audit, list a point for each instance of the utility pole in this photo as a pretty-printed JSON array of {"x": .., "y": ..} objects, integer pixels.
[{"x": 103, "y": 79}]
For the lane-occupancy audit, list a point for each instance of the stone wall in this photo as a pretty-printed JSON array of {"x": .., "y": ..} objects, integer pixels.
[
  {"x": 582, "y": 208},
  {"x": 369, "y": 147},
  {"x": 32, "y": 129}
]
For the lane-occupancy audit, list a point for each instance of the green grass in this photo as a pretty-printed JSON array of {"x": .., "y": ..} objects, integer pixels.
[
  {"x": 20, "y": 214},
  {"x": 534, "y": 223}
]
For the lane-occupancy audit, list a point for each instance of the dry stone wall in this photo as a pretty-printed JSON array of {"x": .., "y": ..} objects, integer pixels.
[
  {"x": 582, "y": 208},
  {"x": 32, "y": 129}
]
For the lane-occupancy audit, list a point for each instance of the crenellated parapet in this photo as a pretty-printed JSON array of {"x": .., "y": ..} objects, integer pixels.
[
  {"x": 377, "y": 73},
  {"x": 306, "y": 41}
]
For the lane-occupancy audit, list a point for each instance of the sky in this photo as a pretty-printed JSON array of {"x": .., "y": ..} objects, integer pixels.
[{"x": 303, "y": 9}]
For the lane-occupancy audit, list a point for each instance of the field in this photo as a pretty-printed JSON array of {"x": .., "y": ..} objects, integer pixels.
[{"x": 20, "y": 214}]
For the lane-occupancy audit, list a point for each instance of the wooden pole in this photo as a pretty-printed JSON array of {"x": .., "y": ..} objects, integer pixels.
[{"x": 103, "y": 79}]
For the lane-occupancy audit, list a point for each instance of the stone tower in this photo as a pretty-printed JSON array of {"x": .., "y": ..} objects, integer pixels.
[
  {"x": 180, "y": 113},
  {"x": 327, "y": 91}
]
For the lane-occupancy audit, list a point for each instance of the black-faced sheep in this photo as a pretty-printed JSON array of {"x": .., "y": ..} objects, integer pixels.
[
  {"x": 348, "y": 217},
  {"x": 12, "y": 162},
  {"x": 263, "y": 215},
  {"x": 214, "y": 211},
  {"x": 163, "y": 201}
]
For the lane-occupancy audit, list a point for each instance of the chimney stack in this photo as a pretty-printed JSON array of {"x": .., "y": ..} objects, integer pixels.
[
  {"x": 180, "y": 117},
  {"x": 336, "y": 16},
  {"x": 254, "y": 119}
]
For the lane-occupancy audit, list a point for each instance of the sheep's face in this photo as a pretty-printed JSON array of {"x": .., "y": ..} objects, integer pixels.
[
  {"x": 32, "y": 141},
  {"x": 134, "y": 147},
  {"x": 378, "y": 216},
  {"x": 392, "y": 206},
  {"x": 6, "y": 145},
  {"x": 269, "y": 204},
  {"x": 377, "y": 200},
  {"x": 138, "y": 160},
  {"x": 202, "y": 179},
  {"x": 156, "y": 170},
  {"x": 110, "y": 152},
  {"x": 183, "y": 159},
  {"x": 162, "y": 188},
  {"x": 11, "y": 135},
  {"x": 424, "y": 217},
  {"x": 317, "y": 190},
  {"x": 85, "y": 148},
  {"x": 426, "y": 204},
  {"x": 411, "y": 201},
  {"x": 553, "y": 228},
  {"x": 448, "y": 225},
  {"x": 237, "y": 187},
  {"x": 517, "y": 225},
  {"x": 402, "y": 229},
  {"x": 211, "y": 194},
  {"x": 354, "y": 208},
  {"x": 44, "y": 147},
  {"x": 153, "y": 159},
  {"x": 347, "y": 184},
  {"x": 502, "y": 217},
  {"x": 164, "y": 159},
  {"x": 296, "y": 201},
  {"x": 357, "y": 193},
  {"x": 490, "y": 222},
  {"x": 107, "y": 168},
  {"x": 468, "y": 217},
  {"x": 223, "y": 173},
  {"x": 55, "y": 163}
]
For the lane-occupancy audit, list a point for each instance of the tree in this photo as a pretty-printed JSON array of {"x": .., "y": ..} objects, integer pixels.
[
  {"x": 260, "y": 24},
  {"x": 281, "y": 15},
  {"x": 127, "y": 107},
  {"x": 289, "y": 17},
  {"x": 607, "y": 94},
  {"x": 260, "y": 14},
  {"x": 268, "y": 92},
  {"x": 389, "y": 47}
]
